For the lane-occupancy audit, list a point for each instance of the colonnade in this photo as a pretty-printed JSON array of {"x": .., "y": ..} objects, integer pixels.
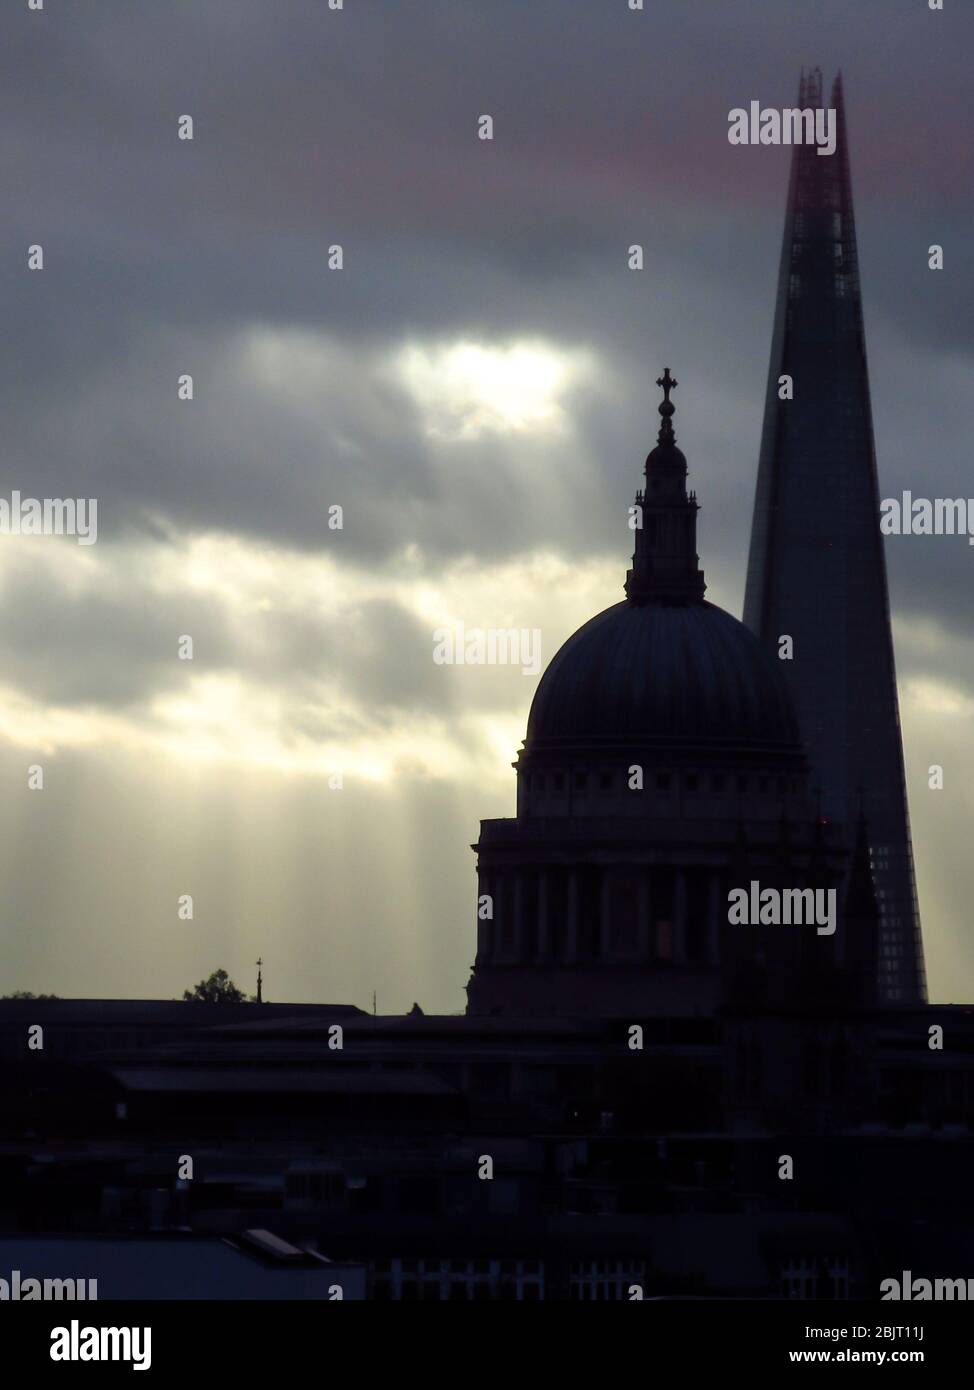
[{"x": 613, "y": 912}]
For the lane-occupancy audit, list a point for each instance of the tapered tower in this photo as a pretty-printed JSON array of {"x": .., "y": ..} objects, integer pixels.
[{"x": 816, "y": 571}]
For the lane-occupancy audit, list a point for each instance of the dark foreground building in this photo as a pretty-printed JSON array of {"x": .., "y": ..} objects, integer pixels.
[{"x": 644, "y": 1154}]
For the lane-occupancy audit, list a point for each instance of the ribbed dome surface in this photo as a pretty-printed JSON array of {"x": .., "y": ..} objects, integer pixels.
[{"x": 689, "y": 674}]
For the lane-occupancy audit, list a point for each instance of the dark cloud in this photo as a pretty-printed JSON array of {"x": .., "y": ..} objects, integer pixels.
[{"x": 359, "y": 126}]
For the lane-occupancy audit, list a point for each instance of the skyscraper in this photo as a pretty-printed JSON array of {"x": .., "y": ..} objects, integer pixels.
[{"x": 816, "y": 570}]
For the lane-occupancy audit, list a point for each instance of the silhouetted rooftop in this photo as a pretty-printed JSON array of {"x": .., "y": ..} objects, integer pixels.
[{"x": 689, "y": 675}]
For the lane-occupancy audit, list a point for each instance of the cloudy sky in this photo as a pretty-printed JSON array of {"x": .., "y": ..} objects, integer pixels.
[{"x": 473, "y": 389}]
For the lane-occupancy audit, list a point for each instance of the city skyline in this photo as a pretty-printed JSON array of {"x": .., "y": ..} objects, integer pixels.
[
  {"x": 486, "y": 670},
  {"x": 474, "y": 389}
]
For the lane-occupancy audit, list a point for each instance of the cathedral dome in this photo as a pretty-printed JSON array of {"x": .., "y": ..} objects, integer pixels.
[
  {"x": 665, "y": 668},
  {"x": 666, "y": 457},
  {"x": 685, "y": 676}
]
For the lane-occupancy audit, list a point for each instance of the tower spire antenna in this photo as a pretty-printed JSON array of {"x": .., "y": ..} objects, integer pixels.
[{"x": 260, "y": 980}]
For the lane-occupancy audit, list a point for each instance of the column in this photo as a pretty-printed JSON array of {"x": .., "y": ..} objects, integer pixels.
[
  {"x": 518, "y": 916},
  {"x": 680, "y": 918},
  {"x": 645, "y": 947},
  {"x": 713, "y": 920},
  {"x": 605, "y": 914},
  {"x": 490, "y": 925},
  {"x": 571, "y": 945},
  {"x": 483, "y": 925},
  {"x": 544, "y": 938}
]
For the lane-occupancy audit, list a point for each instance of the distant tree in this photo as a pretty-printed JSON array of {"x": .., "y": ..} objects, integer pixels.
[
  {"x": 26, "y": 994},
  {"x": 218, "y": 989}
]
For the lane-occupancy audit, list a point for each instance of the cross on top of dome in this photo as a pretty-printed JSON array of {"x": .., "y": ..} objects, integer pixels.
[
  {"x": 667, "y": 382},
  {"x": 666, "y": 406}
]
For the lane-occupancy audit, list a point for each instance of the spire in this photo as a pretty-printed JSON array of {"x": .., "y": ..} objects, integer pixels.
[{"x": 665, "y": 565}]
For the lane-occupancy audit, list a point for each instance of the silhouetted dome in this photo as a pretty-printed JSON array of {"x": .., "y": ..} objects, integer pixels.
[
  {"x": 688, "y": 675},
  {"x": 666, "y": 457}
]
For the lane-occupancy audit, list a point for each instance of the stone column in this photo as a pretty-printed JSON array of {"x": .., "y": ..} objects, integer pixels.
[
  {"x": 713, "y": 920},
  {"x": 484, "y": 925},
  {"x": 571, "y": 944},
  {"x": 518, "y": 916},
  {"x": 492, "y": 925},
  {"x": 605, "y": 914},
  {"x": 680, "y": 917},
  {"x": 645, "y": 947},
  {"x": 544, "y": 937}
]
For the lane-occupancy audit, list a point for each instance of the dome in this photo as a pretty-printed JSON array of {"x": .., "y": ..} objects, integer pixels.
[
  {"x": 688, "y": 676},
  {"x": 666, "y": 457}
]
